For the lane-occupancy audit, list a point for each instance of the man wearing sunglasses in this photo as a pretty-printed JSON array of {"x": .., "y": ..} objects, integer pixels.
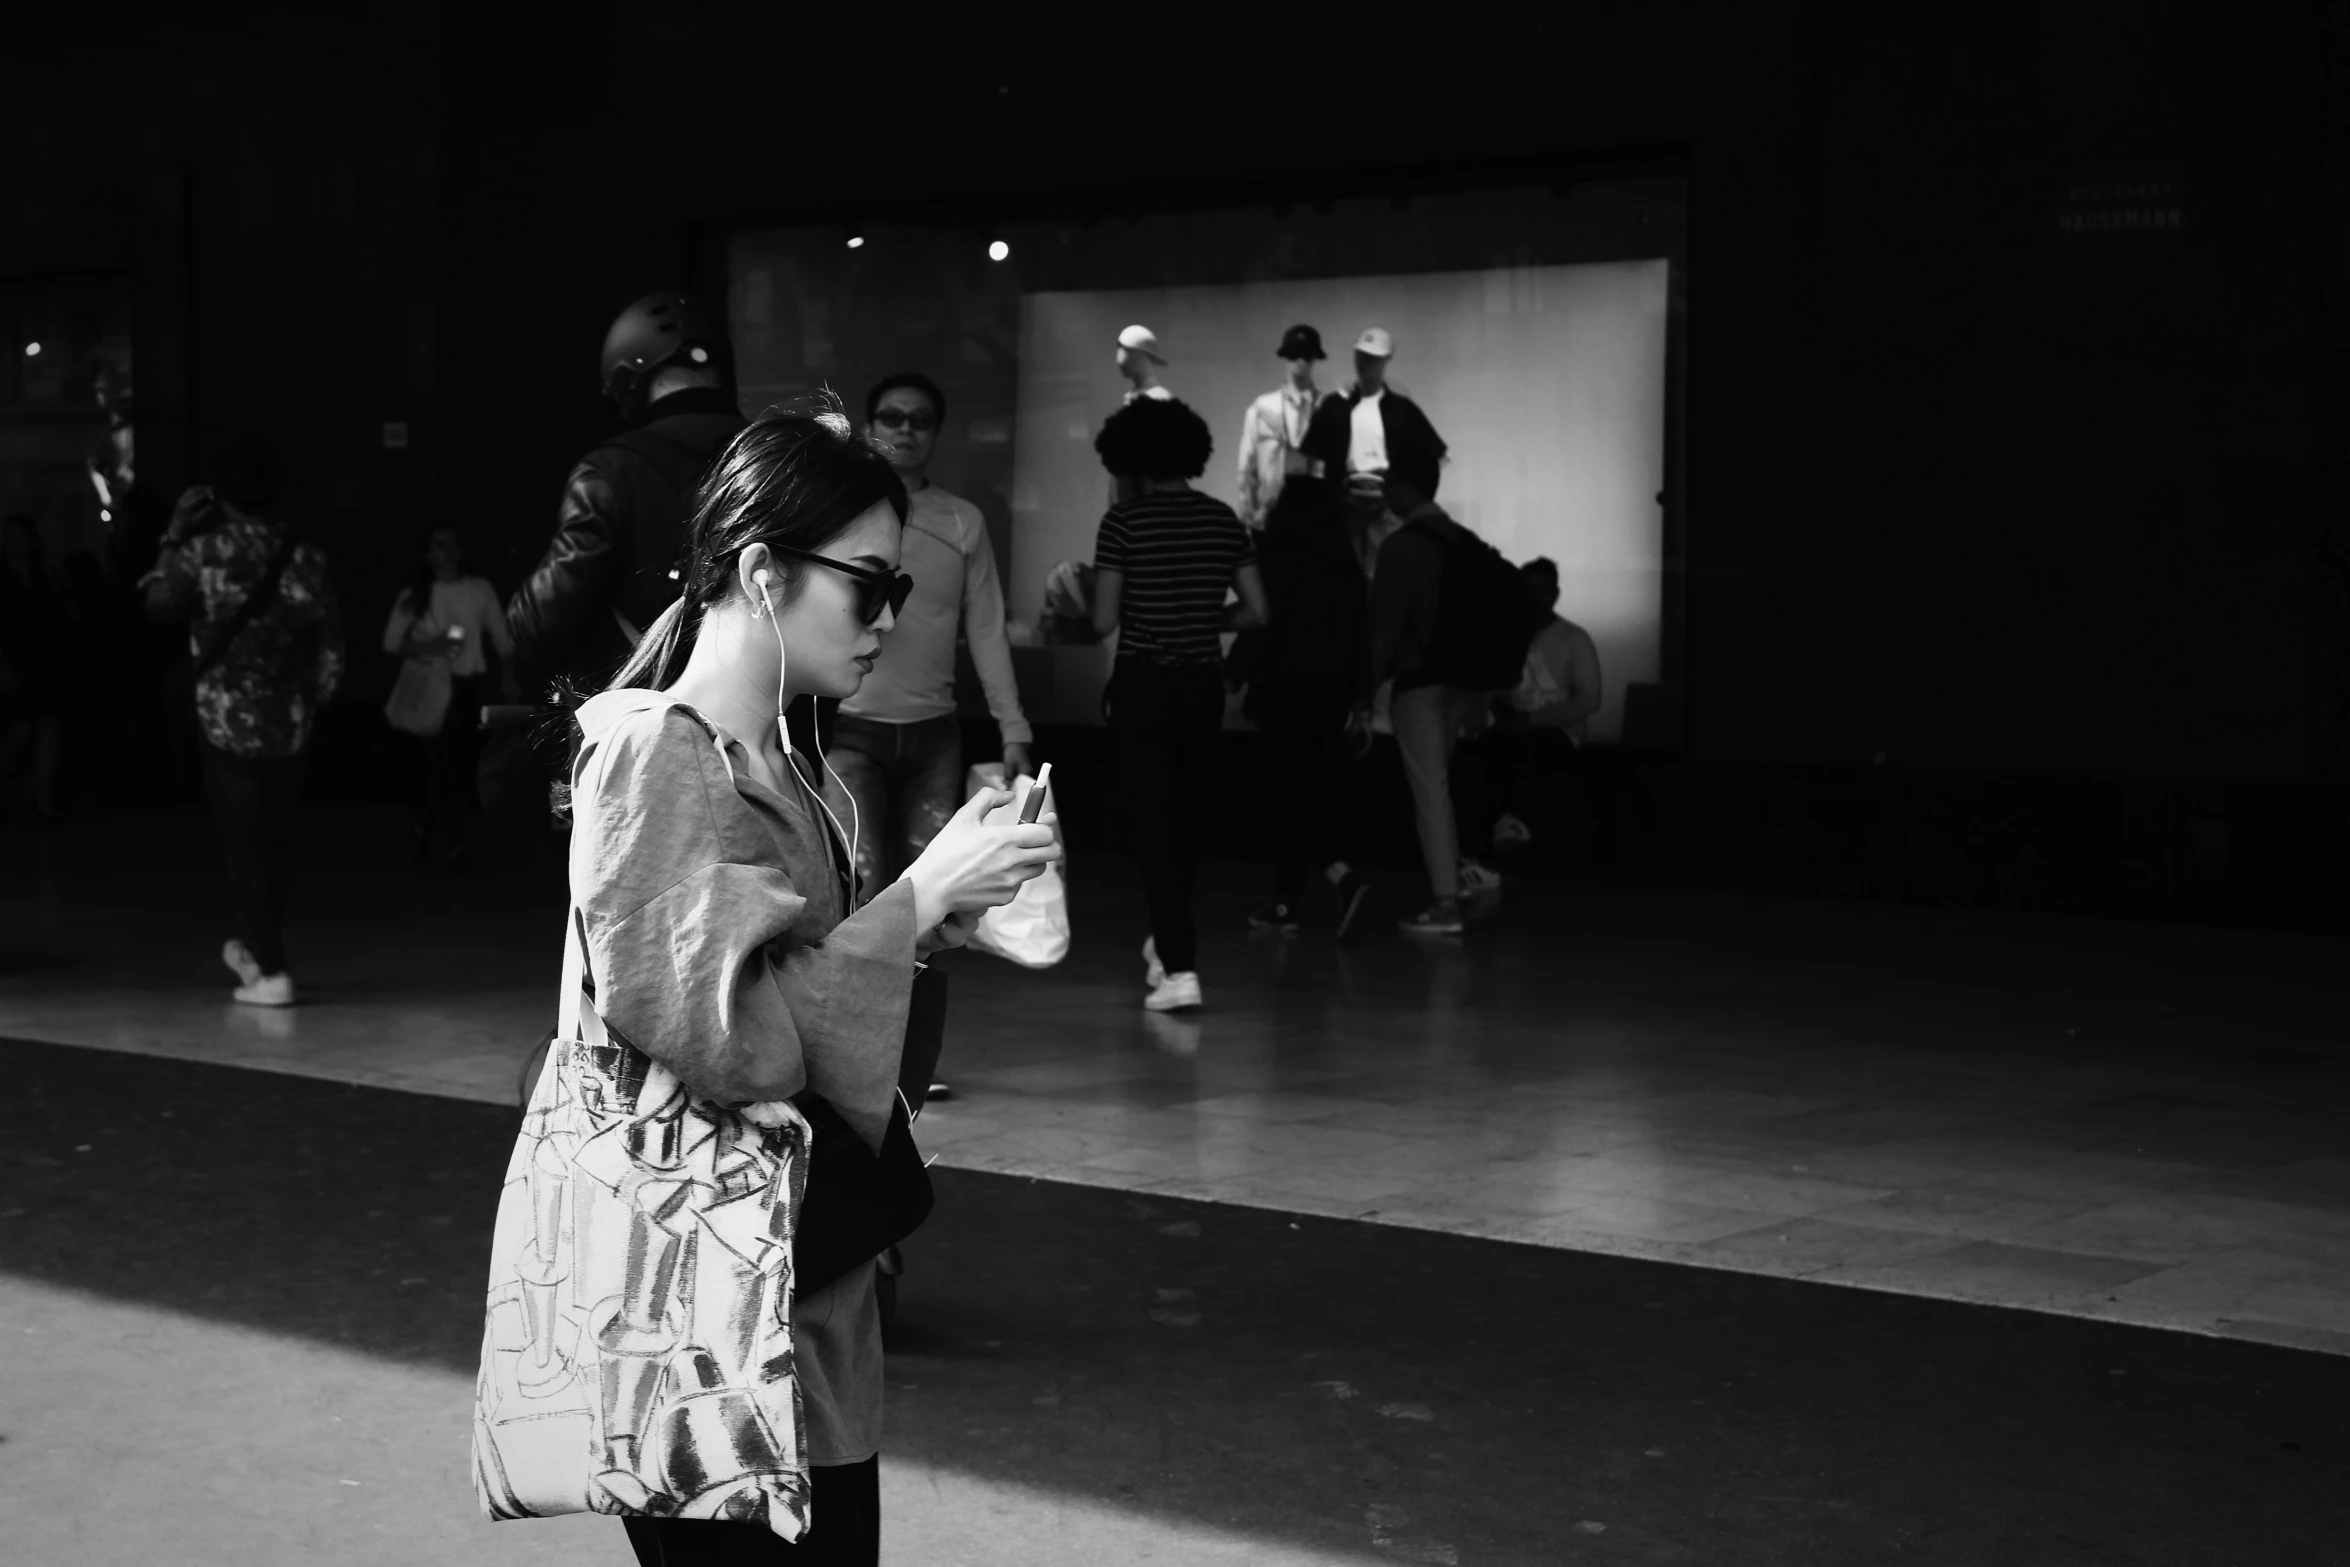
[{"x": 897, "y": 744}]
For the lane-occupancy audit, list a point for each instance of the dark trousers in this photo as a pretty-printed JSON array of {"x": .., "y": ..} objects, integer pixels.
[
  {"x": 447, "y": 764},
  {"x": 1309, "y": 785},
  {"x": 1527, "y": 765},
  {"x": 844, "y": 1529},
  {"x": 1164, "y": 725},
  {"x": 253, "y": 802},
  {"x": 1537, "y": 772}
]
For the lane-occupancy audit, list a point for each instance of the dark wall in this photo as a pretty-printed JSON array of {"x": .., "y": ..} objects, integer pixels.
[
  {"x": 1957, "y": 496},
  {"x": 1970, "y": 498}
]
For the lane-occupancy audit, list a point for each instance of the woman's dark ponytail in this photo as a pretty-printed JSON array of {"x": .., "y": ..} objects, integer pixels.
[
  {"x": 660, "y": 654},
  {"x": 791, "y": 480}
]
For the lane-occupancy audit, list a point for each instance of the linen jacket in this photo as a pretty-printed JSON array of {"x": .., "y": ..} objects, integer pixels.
[{"x": 718, "y": 919}]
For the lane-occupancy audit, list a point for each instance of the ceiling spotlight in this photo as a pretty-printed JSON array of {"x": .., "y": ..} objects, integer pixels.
[
  {"x": 856, "y": 242},
  {"x": 997, "y": 250},
  {"x": 32, "y": 350}
]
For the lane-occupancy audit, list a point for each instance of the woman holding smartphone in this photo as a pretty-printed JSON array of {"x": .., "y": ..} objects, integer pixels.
[
  {"x": 714, "y": 911},
  {"x": 443, "y": 626}
]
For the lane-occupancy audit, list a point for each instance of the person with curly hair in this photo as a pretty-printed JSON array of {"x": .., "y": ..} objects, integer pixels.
[{"x": 1165, "y": 562}]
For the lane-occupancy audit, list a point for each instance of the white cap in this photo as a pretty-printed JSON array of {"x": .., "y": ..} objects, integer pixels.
[
  {"x": 1375, "y": 341},
  {"x": 1142, "y": 340}
]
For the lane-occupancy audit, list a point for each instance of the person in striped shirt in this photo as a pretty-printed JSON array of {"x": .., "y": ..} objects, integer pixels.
[{"x": 1165, "y": 563}]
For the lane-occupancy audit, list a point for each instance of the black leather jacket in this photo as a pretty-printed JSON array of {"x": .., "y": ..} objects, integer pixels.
[
  {"x": 1415, "y": 452},
  {"x": 617, "y": 538}
]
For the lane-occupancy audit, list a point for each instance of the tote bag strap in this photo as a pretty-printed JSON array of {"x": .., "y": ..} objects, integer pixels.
[
  {"x": 568, "y": 999},
  {"x": 575, "y": 1004}
]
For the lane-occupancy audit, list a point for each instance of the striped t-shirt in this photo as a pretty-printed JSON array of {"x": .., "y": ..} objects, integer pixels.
[{"x": 1178, "y": 552}]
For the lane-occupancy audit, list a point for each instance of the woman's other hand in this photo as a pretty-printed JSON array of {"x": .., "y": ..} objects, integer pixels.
[
  {"x": 971, "y": 867},
  {"x": 196, "y": 503},
  {"x": 949, "y": 932}
]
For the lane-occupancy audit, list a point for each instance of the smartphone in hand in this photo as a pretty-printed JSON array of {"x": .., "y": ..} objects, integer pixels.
[{"x": 1033, "y": 806}]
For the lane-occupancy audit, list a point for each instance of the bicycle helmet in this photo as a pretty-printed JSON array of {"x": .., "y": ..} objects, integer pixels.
[{"x": 664, "y": 328}]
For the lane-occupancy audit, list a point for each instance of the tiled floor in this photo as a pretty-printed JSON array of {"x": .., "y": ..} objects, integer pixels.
[{"x": 2137, "y": 1123}]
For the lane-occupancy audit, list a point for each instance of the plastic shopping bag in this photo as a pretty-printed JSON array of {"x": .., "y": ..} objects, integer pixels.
[
  {"x": 419, "y": 703},
  {"x": 1033, "y": 929}
]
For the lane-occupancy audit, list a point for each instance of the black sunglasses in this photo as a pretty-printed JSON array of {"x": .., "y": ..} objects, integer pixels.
[
  {"x": 874, "y": 588},
  {"x": 901, "y": 419}
]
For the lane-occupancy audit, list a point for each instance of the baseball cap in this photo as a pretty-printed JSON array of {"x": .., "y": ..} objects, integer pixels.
[
  {"x": 1375, "y": 341},
  {"x": 1142, "y": 340},
  {"x": 1300, "y": 342}
]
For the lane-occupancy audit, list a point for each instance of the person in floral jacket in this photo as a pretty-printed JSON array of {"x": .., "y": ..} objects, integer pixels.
[{"x": 266, "y": 642}]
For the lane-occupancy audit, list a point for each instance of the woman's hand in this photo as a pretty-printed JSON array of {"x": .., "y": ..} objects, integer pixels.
[
  {"x": 195, "y": 503},
  {"x": 971, "y": 867}
]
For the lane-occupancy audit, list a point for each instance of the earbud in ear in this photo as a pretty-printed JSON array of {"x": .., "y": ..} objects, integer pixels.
[{"x": 760, "y": 576}]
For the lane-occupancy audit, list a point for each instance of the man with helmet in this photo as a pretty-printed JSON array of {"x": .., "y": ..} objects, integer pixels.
[{"x": 606, "y": 573}]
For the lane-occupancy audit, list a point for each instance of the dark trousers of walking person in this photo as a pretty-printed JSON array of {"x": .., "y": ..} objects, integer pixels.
[
  {"x": 253, "y": 804},
  {"x": 446, "y": 764},
  {"x": 1165, "y": 722},
  {"x": 844, "y": 1529},
  {"x": 1428, "y": 721},
  {"x": 1309, "y": 783}
]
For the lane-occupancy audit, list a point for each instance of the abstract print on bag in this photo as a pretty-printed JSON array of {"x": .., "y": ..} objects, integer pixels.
[{"x": 637, "y": 1353}]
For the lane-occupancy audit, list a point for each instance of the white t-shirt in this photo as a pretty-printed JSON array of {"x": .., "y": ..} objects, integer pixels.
[{"x": 1366, "y": 449}]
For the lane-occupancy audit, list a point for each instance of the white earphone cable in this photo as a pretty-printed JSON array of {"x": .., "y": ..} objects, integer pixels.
[{"x": 783, "y": 728}]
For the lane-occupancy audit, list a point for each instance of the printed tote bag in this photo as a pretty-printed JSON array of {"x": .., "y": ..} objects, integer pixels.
[{"x": 637, "y": 1352}]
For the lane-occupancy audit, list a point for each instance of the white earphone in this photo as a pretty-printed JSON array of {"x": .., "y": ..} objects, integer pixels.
[{"x": 760, "y": 579}]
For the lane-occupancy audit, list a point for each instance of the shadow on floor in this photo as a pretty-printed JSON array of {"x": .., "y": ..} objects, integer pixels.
[{"x": 1316, "y": 1380}]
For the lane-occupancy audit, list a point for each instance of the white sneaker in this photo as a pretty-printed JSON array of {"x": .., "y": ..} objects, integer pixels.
[
  {"x": 239, "y": 959},
  {"x": 1173, "y": 992},
  {"x": 1478, "y": 878},
  {"x": 1154, "y": 973},
  {"x": 270, "y": 990}
]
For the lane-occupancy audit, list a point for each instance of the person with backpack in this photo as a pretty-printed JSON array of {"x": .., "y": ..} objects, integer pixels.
[
  {"x": 265, "y": 642},
  {"x": 609, "y": 571},
  {"x": 1450, "y": 625}
]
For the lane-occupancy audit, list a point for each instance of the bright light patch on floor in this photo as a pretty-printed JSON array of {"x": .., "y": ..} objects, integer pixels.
[{"x": 301, "y": 1442}]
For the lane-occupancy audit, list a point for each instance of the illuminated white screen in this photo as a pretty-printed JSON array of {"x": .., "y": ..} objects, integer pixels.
[{"x": 1548, "y": 384}]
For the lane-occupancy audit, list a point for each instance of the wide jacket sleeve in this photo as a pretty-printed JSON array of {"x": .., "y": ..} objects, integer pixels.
[
  {"x": 711, "y": 963},
  {"x": 573, "y": 587}
]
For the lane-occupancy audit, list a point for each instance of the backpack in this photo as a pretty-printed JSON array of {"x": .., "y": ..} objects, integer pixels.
[{"x": 1485, "y": 618}]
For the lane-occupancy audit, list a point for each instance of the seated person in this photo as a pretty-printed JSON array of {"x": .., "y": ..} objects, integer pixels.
[{"x": 1544, "y": 718}]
